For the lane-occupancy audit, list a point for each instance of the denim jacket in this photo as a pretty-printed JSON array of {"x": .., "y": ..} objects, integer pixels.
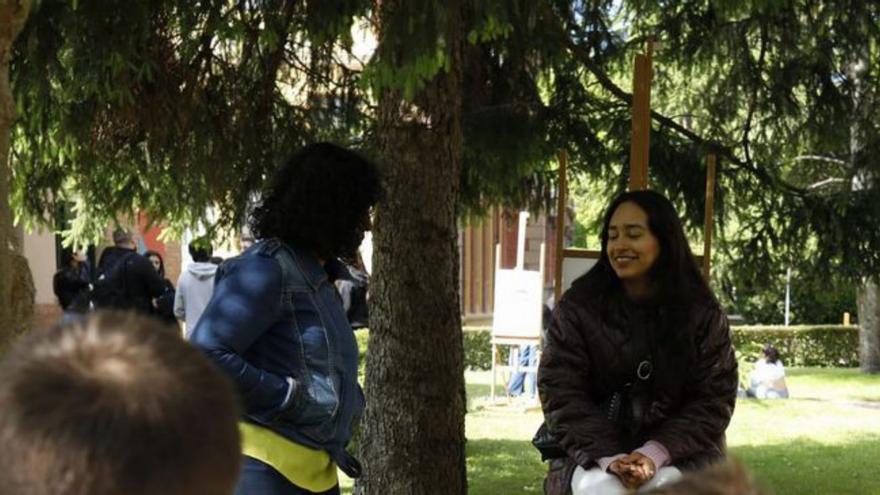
[{"x": 276, "y": 325}]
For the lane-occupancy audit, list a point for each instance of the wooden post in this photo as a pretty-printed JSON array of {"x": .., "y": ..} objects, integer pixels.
[
  {"x": 561, "y": 198},
  {"x": 521, "y": 241},
  {"x": 477, "y": 264},
  {"x": 641, "y": 120},
  {"x": 707, "y": 221},
  {"x": 488, "y": 261},
  {"x": 468, "y": 270},
  {"x": 494, "y": 345}
]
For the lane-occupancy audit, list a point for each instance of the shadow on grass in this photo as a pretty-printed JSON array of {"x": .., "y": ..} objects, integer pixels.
[
  {"x": 504, "y": 467},
  {"x": 804, "y": 467}
]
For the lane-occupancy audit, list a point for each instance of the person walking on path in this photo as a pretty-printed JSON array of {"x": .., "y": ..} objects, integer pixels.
[
  {"x": 276, "y": 324},
  {"x": 72, "y": 286},
  {"x": 126, "y": 280},
  {"x": 195, "y": 286}
]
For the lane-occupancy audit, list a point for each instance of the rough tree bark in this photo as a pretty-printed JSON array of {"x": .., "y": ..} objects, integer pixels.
[
  {"x": 868, "y": 293},
  {"x": 13, "y": 14},
  {"x": 869, "y": 321},
  {"x": 413, "y": 430}
]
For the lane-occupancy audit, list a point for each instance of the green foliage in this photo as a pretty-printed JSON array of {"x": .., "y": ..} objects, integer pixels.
[
  {"x": 818, "y": 295},
  {"x": 477, "y": 349},
  {"x": 820, "y": 345},
  {"x": 363, "y": 338},
  {"x": 176, "y": 106},
  {"x": 789, "y": 91},
  {"x": 172, "y": 106},
  {"x": 825, "y": 345},
  {"x": 477, "y": 342}
]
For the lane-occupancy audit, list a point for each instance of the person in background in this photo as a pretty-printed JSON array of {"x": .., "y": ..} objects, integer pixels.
[
  {"x": 523, "y": 383},
  {"x": 195, "y": 286},
  {"x": 115, "y": 404},
  {"x": 72, "y": 286},
  {"x": 126, "y": 280},
  {"x": 164, "y": 304},
  {"x": 353, "y": 284},
  {"x": 275, "y": 324},
  {"x": 638, "y": 377},
  {"x": 767, "y": 380}
]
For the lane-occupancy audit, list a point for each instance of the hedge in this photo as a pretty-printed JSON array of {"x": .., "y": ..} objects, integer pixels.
[
  {"x": 802, "y": 345},
  {"x": 477, "y": 348}
]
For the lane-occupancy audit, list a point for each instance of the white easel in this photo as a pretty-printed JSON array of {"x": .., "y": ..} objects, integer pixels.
[{"x": 518, "y": 311}]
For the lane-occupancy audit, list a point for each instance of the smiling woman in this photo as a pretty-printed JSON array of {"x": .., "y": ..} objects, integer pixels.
[
  {"x": 632, "y": 248},
  {"x": 638, "y": 353}
]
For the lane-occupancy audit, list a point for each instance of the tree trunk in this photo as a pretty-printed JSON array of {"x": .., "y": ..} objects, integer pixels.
[
  {"x": 12, "y": 16},
  {"x": 413, "y": 429},
  {"x": 868, "y": 295},
  {"x": 869, "y": 322}
]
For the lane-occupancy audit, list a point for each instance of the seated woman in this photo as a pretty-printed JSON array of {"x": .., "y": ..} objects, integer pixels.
[
  {"x": 767, "y": 381},
  {"x": 638, "y": 377}
]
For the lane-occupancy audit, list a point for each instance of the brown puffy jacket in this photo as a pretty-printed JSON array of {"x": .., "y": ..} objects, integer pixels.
[{"x": 590, "y": 353}]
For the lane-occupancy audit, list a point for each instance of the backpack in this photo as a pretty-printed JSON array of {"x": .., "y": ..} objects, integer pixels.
[{"x": 109, "y": 290}]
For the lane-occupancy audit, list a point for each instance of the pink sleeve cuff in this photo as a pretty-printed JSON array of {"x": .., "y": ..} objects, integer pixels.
[
  {"x": 604, "y": 462},
  {"x": 656, "y": 452}
]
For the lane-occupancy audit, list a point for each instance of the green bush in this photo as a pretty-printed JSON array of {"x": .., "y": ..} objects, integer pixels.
[
  {"x": 363, "y": 337},
  {"x": 476, "y": 342},
  {"x": 478, "y": 348},
  {"x": 801, "y": 345}
]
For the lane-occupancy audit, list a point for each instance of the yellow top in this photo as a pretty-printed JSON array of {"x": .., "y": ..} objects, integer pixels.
[{"x": 303, "y": 466}]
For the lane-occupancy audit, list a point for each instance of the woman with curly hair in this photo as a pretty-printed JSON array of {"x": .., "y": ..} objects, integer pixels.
[
  {"x": 276, "y": 325},
  {"x": 638, "y": 377}
]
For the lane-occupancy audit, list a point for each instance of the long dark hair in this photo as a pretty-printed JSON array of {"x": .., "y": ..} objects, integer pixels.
[
  {"x": 318, "y": 200},
  {"x": 675, "y": 278},
  {"x": 161, "y": 261}
]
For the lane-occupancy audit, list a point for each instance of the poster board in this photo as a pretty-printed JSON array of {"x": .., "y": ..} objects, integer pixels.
[
  {"x": 572, "y": 268},
  {"x": 518, "y": 304}
]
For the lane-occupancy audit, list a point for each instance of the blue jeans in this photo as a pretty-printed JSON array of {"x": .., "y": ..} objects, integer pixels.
[
  {"x": 521, "y": 381},
  {"x": 68, "y": 317},
  {"x": 258, "y": 478}
]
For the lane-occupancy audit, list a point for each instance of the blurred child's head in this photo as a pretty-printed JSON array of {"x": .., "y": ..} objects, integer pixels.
[{"x": 115, "y": 404}]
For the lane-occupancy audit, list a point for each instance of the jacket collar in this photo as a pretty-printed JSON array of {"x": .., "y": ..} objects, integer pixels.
[{"x": 308, "y": 263}]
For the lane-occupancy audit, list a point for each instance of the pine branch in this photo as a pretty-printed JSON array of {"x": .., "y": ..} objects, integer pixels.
[{"x": 583, "y": 56}]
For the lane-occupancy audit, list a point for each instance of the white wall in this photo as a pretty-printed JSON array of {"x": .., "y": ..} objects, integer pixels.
[{"x": 39, "y": 249}]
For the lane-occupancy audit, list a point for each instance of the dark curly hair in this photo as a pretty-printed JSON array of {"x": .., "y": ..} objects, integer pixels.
[{"x": 319, "y": 199}]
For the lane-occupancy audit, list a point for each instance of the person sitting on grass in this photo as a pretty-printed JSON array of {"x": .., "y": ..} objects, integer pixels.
[
  {"x": 767, "y": 380},
  {"x": 113, "y": 404}
]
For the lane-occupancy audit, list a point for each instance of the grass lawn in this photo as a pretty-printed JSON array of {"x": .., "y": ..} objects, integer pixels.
[{"x": 826, "y": 440}]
